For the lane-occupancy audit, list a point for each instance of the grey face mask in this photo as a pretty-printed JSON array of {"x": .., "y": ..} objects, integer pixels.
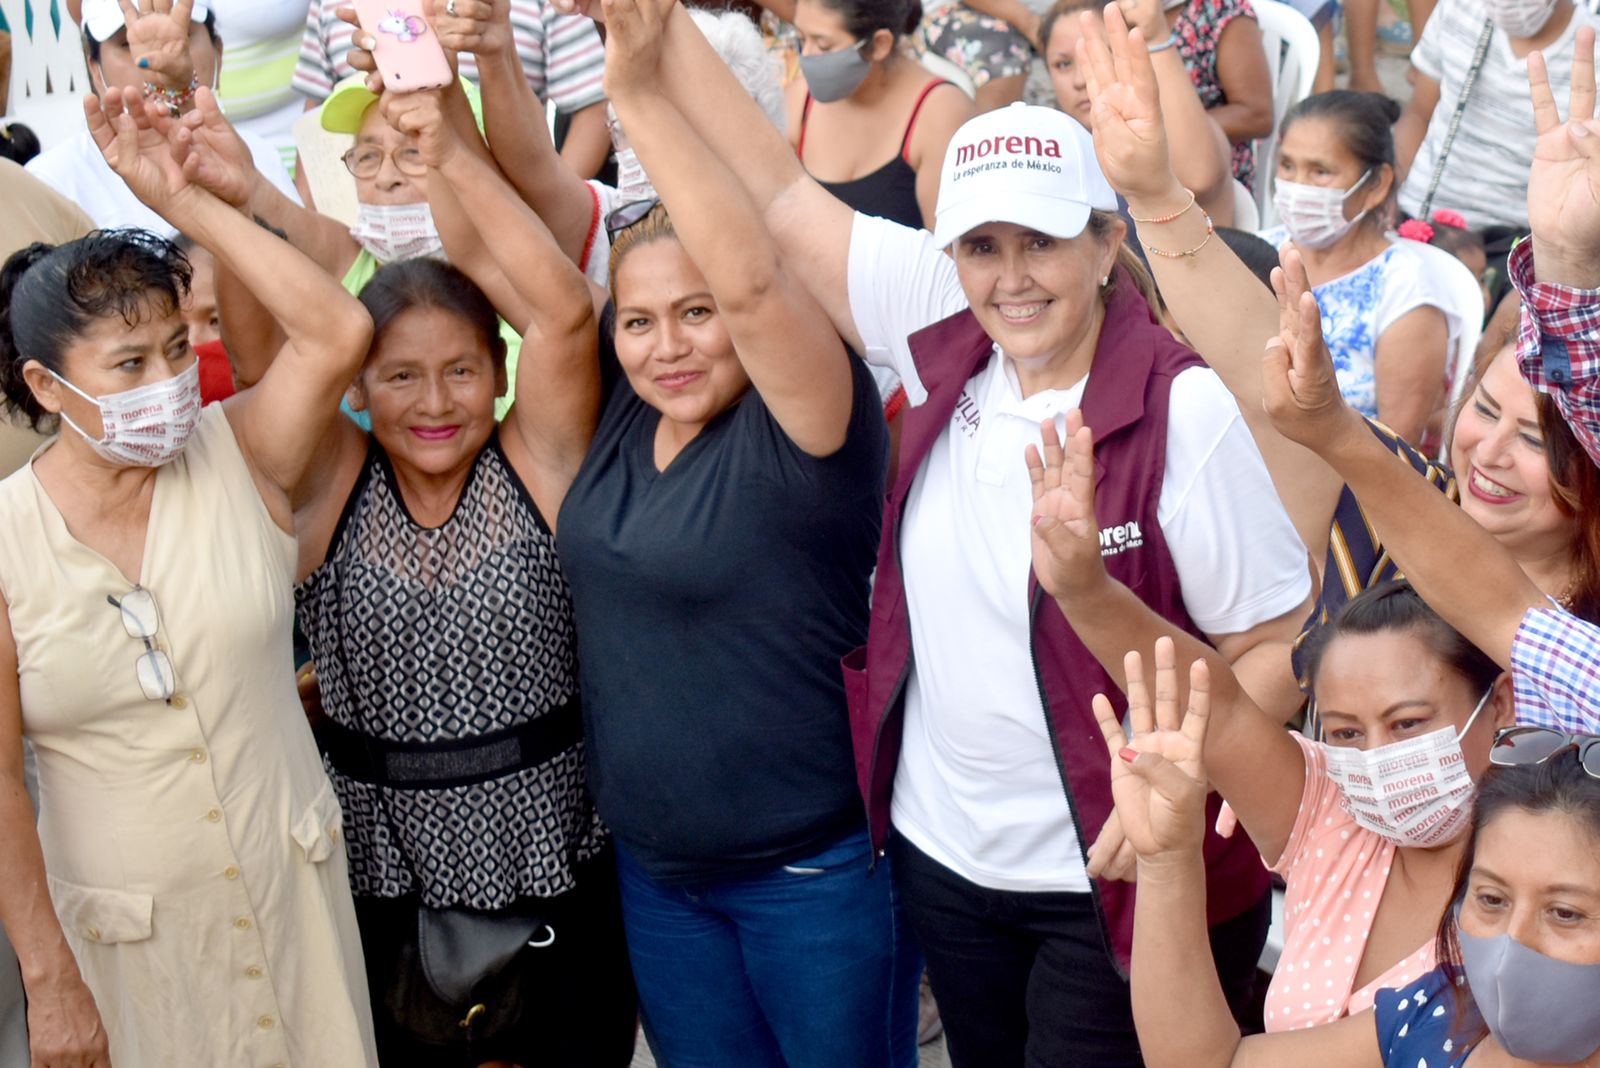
[
  {"x": 835, "y": 75},
  {"x": 1538, "y": 1008}
]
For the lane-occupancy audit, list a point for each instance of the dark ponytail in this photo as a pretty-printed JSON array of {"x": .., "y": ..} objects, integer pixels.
[
  {"x": 51, "y": 294},
  {"x": 863, "y": 18}
]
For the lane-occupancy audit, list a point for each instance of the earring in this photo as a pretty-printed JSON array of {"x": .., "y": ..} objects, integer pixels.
[{"x": 1105, "y": 280}]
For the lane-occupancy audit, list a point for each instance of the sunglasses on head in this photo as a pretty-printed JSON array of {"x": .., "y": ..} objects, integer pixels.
[
  {"x": 1521, "y": 746},
  {"x": 627, "y": 215}
]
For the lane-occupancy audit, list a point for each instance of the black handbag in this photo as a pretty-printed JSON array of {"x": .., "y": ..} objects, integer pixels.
[{"x": 460, "y": 978}]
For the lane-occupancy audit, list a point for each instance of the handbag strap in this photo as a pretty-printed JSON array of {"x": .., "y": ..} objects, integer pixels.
[{"x": 1467, "y": 83}]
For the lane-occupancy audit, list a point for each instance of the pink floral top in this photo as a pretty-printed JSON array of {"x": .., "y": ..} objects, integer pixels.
[
  {"x": 1199, "y": 29},
  {"x": 1336, "y": 871}
]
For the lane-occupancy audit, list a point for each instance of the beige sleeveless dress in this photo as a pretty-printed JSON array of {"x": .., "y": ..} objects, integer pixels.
[{"x": 193, "y": 847}]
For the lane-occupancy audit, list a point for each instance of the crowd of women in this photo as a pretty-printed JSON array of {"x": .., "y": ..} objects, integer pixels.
[{"x": 701, "y": 604}]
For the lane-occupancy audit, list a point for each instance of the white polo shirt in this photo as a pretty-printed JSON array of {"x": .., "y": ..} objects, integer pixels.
[{"x": 977, "y": 788}]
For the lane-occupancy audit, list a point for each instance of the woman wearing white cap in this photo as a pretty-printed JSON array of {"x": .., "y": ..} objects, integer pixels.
[{"x": 970, "y": 703}]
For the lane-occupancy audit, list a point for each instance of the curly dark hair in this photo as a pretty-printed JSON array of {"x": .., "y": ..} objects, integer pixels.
[{"x": 51, "y": 294}]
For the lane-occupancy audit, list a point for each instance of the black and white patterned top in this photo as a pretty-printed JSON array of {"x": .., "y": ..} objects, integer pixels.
[{"x": 431, "y": 634}]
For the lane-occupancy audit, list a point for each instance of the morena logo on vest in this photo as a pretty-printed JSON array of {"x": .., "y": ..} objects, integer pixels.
[{"x": 1120, "y": 538}]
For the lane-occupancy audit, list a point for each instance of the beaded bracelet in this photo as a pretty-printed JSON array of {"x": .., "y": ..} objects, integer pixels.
[
  {"x": 1159, "y": 219},
  {"x": 1187, "y": 253},
  {"x": 174, "y": 99},
  {"x": 1170, "y": 42}
]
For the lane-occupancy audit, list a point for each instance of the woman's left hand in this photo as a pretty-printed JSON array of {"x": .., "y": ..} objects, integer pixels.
[
  {"x": 1146, "y": 16},
  {"x": 1157, "y": 774},
  {"x": 1299, "y": 387},
  {"x": 633, "y": 43},
  {"x": 1066, "y": 538},
  {"x": 1130, "y": 138},
  {"x": 127, "y": 134},
  {"x": 420, "y": 116},
  {"x": 158, "y": 40}
]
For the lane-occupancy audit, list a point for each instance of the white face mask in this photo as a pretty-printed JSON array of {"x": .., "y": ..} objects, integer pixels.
[
  {"x": 1520, "y": 18},
  {"x": 397, "y": 232},
  {"x": 632, "y": 183},
  {"x": 1314, "y": 214},
  {"x": 1416, "y": 792},
  {"x": 145, "y": 426}
]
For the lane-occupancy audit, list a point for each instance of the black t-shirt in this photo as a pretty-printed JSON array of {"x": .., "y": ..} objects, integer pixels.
[{"x": 713, "y": 602}]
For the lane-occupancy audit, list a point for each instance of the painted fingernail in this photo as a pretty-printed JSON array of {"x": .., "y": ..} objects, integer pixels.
[
  {"x": 1128, "y": 755},
  {"x": 144, "y": 64}
]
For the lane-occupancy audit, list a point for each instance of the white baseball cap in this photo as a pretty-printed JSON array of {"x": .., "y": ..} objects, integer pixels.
[
  {"x": 103, "y": 18},
  {"x": 1022, "y": 164}
]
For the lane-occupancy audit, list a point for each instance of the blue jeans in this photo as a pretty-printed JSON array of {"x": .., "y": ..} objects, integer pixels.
[{"x": 810, "y": 965}]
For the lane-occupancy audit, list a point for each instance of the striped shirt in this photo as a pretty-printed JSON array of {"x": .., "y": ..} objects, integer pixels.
[
  {"x": 1357, "y": 559},
  {"x": 1555, "y": 671},
  {"x": 561, "y": 54},
  {"x": 1485, "y": 176}
]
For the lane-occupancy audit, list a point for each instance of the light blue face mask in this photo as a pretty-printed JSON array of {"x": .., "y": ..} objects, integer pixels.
[
  {"x": 835, "y": 75},
  {"x": 1538, "y": 1008}
]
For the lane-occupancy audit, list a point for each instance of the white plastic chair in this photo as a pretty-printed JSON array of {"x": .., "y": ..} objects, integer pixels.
[
  {"x": 1466, "y": 301},
  {"x": 1293, "y": 54},
  {"x": 49, "y": 76},
  {"x": 1246, "y": 216}
]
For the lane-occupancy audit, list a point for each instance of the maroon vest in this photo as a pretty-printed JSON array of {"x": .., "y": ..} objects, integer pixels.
[{"x": 1125, "y": 405}]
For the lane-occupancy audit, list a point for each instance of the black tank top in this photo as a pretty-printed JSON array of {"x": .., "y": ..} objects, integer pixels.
[{"x": 890, "y": 192}]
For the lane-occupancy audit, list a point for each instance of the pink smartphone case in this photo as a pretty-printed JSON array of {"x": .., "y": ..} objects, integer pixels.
[{"x": 408, "y": 53}]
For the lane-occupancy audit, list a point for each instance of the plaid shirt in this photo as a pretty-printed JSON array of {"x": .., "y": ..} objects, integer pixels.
[
  {"x": 1555, "y": 670},
  {"x": 1558, "y": 346}
]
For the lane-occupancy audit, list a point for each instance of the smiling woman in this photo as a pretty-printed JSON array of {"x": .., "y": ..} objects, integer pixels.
[
  {"x": 973, "y": 688},
  {"x": 440, "y": 622}
]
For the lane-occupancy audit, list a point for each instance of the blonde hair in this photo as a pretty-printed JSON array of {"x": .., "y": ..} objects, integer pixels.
[{"x": 655, "y": 226}]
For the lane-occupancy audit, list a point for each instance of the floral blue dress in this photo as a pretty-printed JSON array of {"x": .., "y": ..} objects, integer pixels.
[{"x": 1358, "y": 307}]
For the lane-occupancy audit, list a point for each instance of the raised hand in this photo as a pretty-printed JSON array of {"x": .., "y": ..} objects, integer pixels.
[
  {"x": 1146, "y": 16},
  {"x": 482, "y": 27},
  {"x": 212, "y": 153},
  {"x": 361, "y": 45},
  {"x": 1112, "y": 856},
  {"x": 1129, "y": 138},
  {"x": 1299, "y": 388},
  {"x": 1157, "y": 775},
  {"x": 633, "y": 43},
  {"x": 1066, "y": 538},
  {"x": 124, "y": 128},
  {"x": 591, "y": 8},
  {"x": 420, "y": 116},
  {"x": 158, "y": 40},
  {"x": 1564, "y": 182}
]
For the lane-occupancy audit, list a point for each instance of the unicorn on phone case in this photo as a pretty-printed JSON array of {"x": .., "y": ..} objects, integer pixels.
[{"x": 406, "y": 28}]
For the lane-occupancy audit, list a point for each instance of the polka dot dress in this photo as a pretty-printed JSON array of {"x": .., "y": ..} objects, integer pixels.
[{"x": 1335, "y": 871}]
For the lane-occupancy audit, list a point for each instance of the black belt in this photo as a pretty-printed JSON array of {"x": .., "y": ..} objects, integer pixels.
[{"x": 456, "y": 762}]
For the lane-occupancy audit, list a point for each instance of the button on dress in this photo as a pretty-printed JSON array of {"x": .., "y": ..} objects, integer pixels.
[{"x": 192, "y": 846}]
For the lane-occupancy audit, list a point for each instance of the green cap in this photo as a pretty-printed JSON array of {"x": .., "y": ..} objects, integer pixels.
[{"x": 345, "y": 106}]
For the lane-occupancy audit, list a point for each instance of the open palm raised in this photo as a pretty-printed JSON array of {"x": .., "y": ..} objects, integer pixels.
[
  {"x": 136, "y": 148},
  {"x": 1158, "y": 778},
  {"x": 1129, "y": 137},
  {"x": 1564, "y": 182}
]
